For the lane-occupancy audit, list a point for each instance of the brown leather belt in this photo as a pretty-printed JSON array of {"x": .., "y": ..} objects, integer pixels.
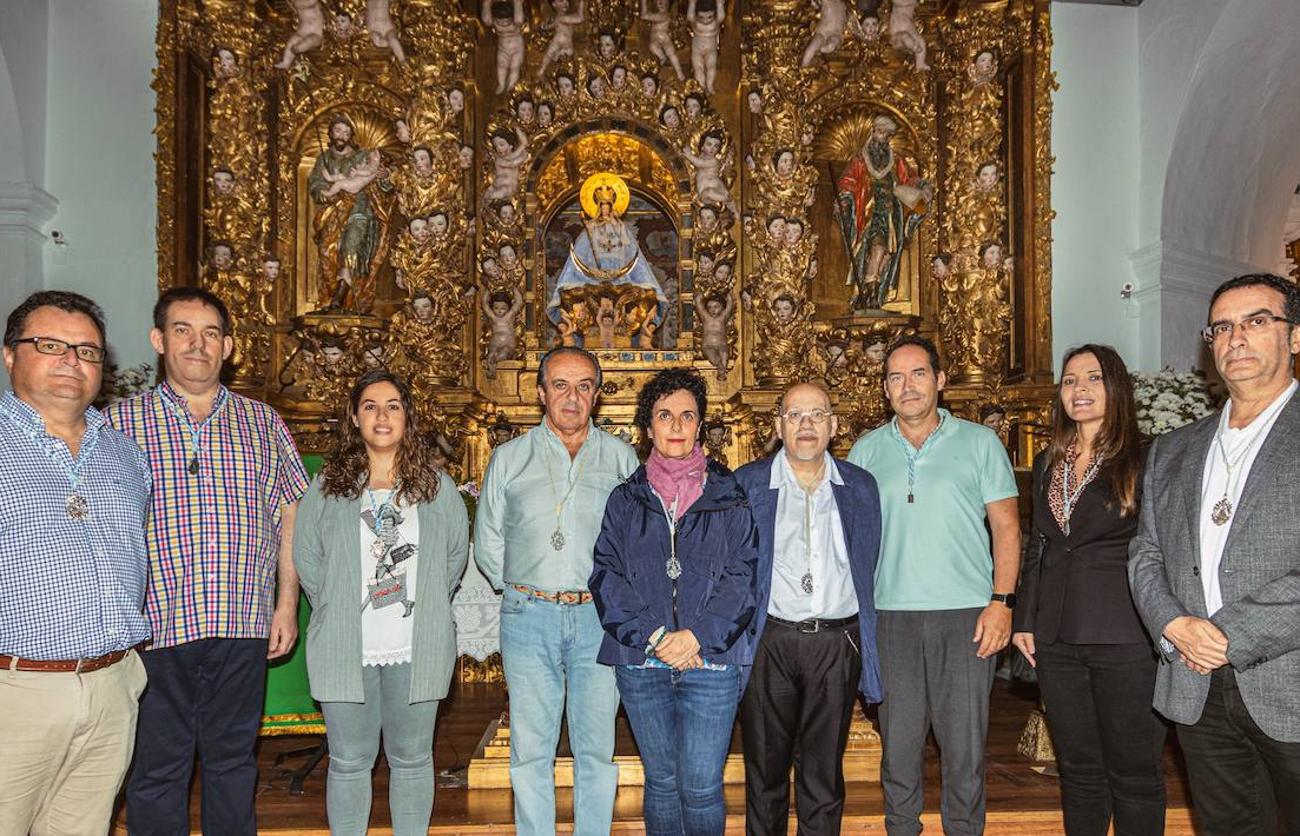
[
  {"x": 568, "y": 597},
  {"x": 94, "y": 663}
]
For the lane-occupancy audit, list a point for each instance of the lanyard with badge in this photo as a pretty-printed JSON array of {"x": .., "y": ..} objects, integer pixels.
[
  {"x": 196, "y": 432},
  {"x": 78, "y": 507},
  {"x": 913, "y": 453}
]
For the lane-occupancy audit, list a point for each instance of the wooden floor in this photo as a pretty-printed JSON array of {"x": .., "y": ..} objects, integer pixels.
[{"x": 1021, "y": 799}]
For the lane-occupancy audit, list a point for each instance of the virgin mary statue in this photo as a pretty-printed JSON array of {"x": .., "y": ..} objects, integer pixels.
[{"x": 605, "y": 253}]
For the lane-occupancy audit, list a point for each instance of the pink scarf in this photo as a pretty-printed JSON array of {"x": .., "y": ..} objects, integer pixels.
[{"x": 677, "y": 479}]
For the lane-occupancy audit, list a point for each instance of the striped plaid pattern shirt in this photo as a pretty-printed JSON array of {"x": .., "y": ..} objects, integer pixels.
[
  {"x": 70, "y": 589},
  {"x": 214, "y": 536}
]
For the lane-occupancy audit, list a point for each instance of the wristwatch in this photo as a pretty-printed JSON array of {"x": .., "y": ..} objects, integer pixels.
[{"x": 1008, "y": 598}]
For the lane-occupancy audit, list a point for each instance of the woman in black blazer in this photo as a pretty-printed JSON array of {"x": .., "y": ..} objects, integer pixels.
[{"x": 1075, "y": 621}]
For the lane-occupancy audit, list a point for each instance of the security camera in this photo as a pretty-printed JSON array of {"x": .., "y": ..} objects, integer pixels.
[
  {"x": 1126, "y": 290},
  {"x": 56, "y": 235}
]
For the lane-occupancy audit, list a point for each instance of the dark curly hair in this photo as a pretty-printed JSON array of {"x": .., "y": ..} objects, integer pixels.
[
  {"x": 347, "y": 469},
  {"x": 661, "y": 386}
]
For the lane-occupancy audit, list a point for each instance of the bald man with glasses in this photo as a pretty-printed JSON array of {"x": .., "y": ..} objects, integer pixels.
[{"x": 818, "y": 522}]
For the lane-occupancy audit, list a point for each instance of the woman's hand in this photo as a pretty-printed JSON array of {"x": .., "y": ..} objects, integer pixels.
[
  {"x": 1025, "y": 643},
  {"x": 679, "y": 649}
]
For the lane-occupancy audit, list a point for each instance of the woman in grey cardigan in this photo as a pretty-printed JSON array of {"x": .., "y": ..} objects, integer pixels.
[{"x": 380, "y": 543}]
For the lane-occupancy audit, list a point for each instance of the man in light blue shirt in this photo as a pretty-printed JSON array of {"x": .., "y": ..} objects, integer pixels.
[
  {"x": 538, "y": 516},
  {"x": 943, "y": 602},
  {"x": 73, "y": 572}
]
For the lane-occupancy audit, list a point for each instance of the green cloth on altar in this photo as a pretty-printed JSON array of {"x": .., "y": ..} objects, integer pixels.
[{"x": 289, "y": 708}]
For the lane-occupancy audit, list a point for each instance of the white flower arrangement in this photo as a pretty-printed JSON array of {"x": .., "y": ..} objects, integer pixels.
[{"x": 1168, "y": 400}]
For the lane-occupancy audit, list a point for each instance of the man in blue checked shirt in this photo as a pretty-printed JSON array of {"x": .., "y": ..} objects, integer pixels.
[{"x": 72, "y": 575}]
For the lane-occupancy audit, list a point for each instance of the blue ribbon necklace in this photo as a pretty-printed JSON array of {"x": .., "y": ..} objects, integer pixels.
[
  {"x": 196, "y": 433},
  {"x": 77, "y": 506},
  {"x": 914, "y": 453}
]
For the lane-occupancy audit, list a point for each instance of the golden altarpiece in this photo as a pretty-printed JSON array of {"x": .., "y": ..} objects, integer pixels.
[{"x": 766, "y": 190}]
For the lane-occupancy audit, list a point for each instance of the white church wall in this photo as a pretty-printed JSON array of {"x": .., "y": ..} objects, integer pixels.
[
  {"x": 24, "y": 206},
  {"x": 1219, "y": 82},
  {"x": 99, "y": 162},
  {"x": 1095, "y": 123}
]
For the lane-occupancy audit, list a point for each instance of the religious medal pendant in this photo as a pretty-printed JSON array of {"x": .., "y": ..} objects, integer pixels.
[
  {"x": 193, "y": 466},
  {"x": 805, "y": 583},
  {"x": 557, "y": 539},
  {"x": 673, "y": 569},
  {"x": 78, "y": 508},
  {"x": 377, "y": 549},
  {"x": 1221, "y": 512}
]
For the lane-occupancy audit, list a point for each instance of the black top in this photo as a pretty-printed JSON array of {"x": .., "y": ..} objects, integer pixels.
[{"x": 1074, "y": 588}]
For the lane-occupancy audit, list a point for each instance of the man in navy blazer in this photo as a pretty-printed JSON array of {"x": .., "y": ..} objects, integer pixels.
[{"x": 814, "y": 631}]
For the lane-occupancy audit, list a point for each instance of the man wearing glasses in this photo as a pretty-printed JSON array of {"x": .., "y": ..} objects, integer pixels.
[
  {"x": 72, "y": 575},
  {"x": 818, "y": 525},
  {"x": 1215, "y": 569},
  {"x": 943, "y": 601}
]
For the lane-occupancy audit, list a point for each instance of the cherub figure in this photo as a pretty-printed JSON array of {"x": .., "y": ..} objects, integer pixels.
[
  {"x": 829, "y": 34},
  {"x": 561, "y": 44},
  {"x": 991, "y": 255},
  {"x": 508, "y": 156},
  {"x": 607, "y": 319},
  {"x": 357, "y": 179},
  {"x": 500, "y": 310},
  {"x": 783, "y": 309},
  {"x": 867, "y": 29},
  {"x": 308, "y": 35},
  {"x": 713, "y": 327},
  {"x": 983, "y": 69},
  {"x": 661, "y": 38},
  {"x": 705, "y": 17},
  {"x": 383, "y": 33},
  {"x": 574, "y": 320},
  {"x": 902, "y": 31},
  {"x": 506, "y": 18},
  {"x": 224, "y": 63},
  {"x": 709, "y": 187}
]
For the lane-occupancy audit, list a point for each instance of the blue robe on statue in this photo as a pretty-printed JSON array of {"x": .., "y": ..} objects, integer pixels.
[{"x": 618, "y": 248}]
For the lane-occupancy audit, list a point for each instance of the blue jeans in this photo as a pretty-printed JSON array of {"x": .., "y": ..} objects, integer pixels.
[
  {"x": 549, "y": 651},
  {"x": 682, "y": 722},
  {"x": 353, "y": 730}
]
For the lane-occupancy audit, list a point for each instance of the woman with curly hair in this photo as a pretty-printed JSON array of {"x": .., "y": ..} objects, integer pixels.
[
  {"x": 673, "y": 582},
  {"x": 380, "y": 543}
]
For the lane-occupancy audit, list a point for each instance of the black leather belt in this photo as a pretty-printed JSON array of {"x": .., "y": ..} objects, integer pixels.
[{"x": 814, "y": 625}]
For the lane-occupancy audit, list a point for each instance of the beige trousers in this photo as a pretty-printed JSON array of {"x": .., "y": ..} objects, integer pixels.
[{"x": 66, "y": 740}]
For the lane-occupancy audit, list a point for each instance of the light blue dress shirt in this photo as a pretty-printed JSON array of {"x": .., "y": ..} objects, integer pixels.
[
  {"x": 527, "y": 478},
  {"x": 70, "y": 588}
]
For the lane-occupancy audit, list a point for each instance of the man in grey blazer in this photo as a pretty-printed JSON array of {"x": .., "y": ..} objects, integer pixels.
[{"x": 1215, "y": 569}]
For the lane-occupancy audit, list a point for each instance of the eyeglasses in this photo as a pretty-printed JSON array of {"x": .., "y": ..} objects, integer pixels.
[
  {"x": 796, "y": 416},
  {"x": 86, "y": 352},
  {"x": 1253, "y": 324}
]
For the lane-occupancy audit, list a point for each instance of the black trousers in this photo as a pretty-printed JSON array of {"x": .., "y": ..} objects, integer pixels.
[
  {"x": 796, "y": 711},
  {"x": 204, "y": 696},
  {"x": 1243, "y": 782},
  {"x": 1109, "y": 741}
]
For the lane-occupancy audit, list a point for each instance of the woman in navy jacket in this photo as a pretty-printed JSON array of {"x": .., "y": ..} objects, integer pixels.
[{"x": 673, "y": 581}]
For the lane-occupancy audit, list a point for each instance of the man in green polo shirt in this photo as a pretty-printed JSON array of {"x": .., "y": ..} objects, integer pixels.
[{"x": 943, "y": 601}]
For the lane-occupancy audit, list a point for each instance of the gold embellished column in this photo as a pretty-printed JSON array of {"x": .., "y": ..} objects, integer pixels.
[
  {"x": 973, "y": 295},
  {"x": 236, "y": 212}
]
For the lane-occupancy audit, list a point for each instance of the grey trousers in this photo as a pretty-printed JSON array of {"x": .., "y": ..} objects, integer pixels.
[{"x": 932, "y": 677}]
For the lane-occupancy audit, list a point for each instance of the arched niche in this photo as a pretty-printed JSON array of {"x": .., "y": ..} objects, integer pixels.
[{"x": 659, "y": 181}]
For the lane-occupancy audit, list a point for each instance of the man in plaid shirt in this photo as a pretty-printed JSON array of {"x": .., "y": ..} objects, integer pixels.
[{"x": 227, "y": 479}]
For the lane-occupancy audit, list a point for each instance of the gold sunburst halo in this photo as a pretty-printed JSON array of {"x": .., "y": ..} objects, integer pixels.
[{"x": 609, "y": 180}]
